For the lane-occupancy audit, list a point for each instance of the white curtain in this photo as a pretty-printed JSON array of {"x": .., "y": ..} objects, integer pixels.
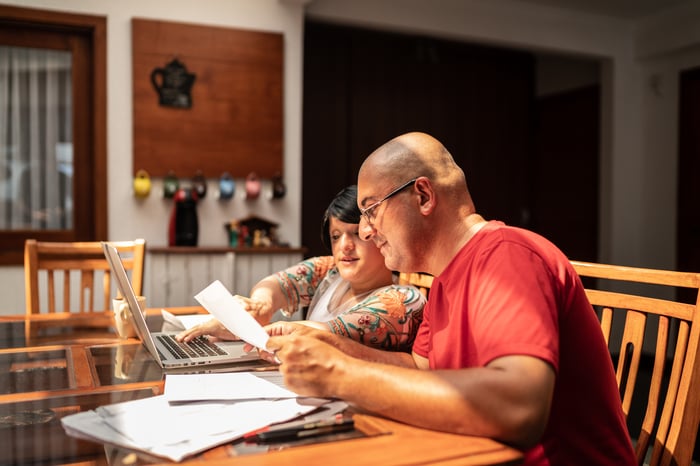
[{"x": 36, "y": 151}]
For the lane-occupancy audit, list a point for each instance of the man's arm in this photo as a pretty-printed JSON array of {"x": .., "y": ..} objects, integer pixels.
[
  {"x": 508, "y": 400},
  {"x": 346, "y": 345}
]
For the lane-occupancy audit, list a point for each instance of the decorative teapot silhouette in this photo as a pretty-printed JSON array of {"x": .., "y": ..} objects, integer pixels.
[{"x": 173, "y": 84}]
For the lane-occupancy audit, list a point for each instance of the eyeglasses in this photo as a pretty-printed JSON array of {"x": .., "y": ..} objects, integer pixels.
[{"x": 369, "y": 213}]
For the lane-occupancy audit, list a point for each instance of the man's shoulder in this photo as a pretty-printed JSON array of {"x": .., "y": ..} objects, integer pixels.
[
  {"x": 497, "y": 231},
  {"x": 499, "y": 239}
]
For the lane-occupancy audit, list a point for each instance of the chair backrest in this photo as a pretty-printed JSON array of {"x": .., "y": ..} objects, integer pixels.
[
  {"x": 75, "y": 276},
  {"x": 422, "y": 281},
  {"x": 653, "y": 331}
]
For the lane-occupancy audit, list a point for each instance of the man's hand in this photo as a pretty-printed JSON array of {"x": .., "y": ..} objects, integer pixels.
[
  {"x": 279, "y": 329},
  {"x": 311, "y": 366}
]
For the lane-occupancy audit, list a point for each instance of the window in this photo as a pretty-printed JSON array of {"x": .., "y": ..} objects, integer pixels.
[{"x": 52, "y": 128}]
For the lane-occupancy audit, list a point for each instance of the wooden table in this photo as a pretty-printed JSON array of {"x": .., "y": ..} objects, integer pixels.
[{"x": 59, "y": 374}]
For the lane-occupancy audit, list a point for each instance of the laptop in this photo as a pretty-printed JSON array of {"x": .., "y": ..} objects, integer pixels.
[{"x": 163, "y": 346}]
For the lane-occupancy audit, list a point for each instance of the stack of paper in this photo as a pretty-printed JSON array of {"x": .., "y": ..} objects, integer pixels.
[
  {"x": 227, "y": 386},
  {"x": 196, "y": 412}
]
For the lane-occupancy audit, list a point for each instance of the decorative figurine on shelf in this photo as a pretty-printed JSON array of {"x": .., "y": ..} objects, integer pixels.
[
  {"x": 257, "y": 238},
  {"x": 273, "y": 236},
  {"x": 184, "y": 226},
  {"x": 244, "y": 239},
  {"x": 234, "y": 232}
]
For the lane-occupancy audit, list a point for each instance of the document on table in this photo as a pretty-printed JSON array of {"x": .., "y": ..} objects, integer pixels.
[
  {"x": 226, "y": 386},
  {"x": 177, "y": 430},
  {"x": 216, "y": 299}
]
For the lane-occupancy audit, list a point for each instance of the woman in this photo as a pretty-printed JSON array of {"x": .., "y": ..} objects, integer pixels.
[{"x": 350, "y": 293}]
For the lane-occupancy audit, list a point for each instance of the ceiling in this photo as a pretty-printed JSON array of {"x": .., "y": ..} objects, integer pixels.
[{"x": 625, "y": 9}]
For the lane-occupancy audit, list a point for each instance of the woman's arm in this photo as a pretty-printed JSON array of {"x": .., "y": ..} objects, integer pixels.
[
  {"x": 287, "y": 290},
  {"x": 388, "y": 319}
]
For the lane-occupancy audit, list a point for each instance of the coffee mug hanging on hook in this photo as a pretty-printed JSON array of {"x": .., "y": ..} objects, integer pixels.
[
  {"x": 170, "y": 185},
  {"x": 199, "y": 184},
  {"x": 227, "y": 187},
  {"x": 252, "y": 186},
  {"x": 142, "y": 184},
  {"x": 278, "y": 187}
]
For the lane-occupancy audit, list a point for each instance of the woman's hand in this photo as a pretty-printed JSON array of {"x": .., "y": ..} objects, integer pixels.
[
  {"x": 215, "y": 329},
  {"x": 212, "y": 328},
  {"x": 260, "y": 310}
]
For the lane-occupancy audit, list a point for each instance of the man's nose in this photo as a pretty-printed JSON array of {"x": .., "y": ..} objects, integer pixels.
[{"x": 365, "y": 230}]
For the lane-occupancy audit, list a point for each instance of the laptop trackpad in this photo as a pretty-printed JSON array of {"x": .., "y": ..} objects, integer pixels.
[{"x": 235, "y": 349}]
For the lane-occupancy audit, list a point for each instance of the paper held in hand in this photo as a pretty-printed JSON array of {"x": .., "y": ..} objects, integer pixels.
[{"x": 220, "y": 303}]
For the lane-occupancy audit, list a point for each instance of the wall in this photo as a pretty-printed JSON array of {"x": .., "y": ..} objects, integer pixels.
[
  {"x": 639, "y": 132},
  {"x": 129, "y": 218},
  {"x": 639, "y": 128}
]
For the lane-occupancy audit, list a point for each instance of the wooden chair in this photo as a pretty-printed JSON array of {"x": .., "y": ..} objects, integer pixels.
[
  {"x": 422, "y": 281},
  {"x": 652, "y": 328},
  {"x": 75, "y": 277}
]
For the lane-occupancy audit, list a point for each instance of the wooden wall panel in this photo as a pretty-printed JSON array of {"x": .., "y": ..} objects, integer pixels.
[
  {"x": 235, "y": 123},
  {"x": 363, "y": 87}
]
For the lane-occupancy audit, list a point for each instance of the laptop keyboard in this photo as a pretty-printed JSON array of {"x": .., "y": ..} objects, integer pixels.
[{"x": 198, "y": 347}]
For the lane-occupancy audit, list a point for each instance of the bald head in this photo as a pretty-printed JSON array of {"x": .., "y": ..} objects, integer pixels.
[
  {"x": 417, "y": 154},
  {"x": 424, "y": 228}
]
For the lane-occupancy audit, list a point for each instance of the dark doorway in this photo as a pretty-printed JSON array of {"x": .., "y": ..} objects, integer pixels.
[
  {"x": 565, "y": 182},
  {"x": 364, "y": 87},
  {"x": 688, "y": 227}
]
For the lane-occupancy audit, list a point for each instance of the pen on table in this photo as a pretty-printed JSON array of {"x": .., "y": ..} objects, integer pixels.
[
  {"x": 301, "y": 429},
  {"x": 292, "y": 425}
]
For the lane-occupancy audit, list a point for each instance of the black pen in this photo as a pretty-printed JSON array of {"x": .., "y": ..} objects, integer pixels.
[{"x": 304, "y": 430}]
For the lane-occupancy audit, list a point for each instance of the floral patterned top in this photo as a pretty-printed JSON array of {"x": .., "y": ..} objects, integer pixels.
[{"x": 387, "y": 318}]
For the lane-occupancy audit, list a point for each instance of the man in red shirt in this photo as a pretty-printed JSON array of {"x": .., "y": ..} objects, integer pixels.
[{"x": 509, "y": 348}]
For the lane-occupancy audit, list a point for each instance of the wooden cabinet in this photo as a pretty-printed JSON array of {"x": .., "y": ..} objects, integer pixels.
[{"x": 175, "y": 274}]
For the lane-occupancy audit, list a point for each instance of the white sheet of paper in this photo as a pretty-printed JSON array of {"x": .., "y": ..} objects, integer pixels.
[
  {"x": 184, "y": 322},
  {"x": 229, "y": 311},
  {"x": 226, "y": 386},
  {"x": 177, "y": 431}
]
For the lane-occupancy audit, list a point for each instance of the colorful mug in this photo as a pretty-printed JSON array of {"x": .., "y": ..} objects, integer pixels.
[
  {"x": 252, "y": 186},
  {"x": 142, "y": 184},
  {"x": 170, "y": 185},
  {"x": 227, "y": 187},
  {"x": 199, "y": 184}
]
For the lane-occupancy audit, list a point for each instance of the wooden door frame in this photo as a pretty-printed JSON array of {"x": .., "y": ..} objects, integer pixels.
[{"x": 94, "y": 28}]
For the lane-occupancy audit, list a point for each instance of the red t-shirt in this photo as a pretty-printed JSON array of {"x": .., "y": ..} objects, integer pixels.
[{"x": 510, "y": 291}]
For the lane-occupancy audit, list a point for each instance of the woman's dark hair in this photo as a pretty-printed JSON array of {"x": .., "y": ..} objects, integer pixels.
[{"x": 344, "y": 208}]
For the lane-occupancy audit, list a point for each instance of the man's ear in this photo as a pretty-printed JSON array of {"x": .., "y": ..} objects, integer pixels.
[{"x": 426, "y": 195}]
